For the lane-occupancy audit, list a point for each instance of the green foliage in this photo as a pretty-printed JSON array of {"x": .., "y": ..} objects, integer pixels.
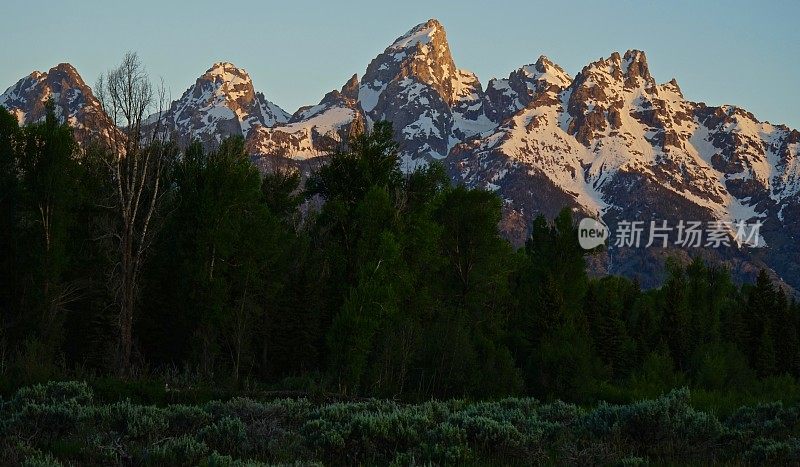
[
  {"x": 370, "y": 160},
  {"x": 657, "y": 374},
  {"x": 280, "y": 190},
  {"x": 550, "y": 328},
  {"x": 509, "y": 431},
  {"x": 10, "y": 192},
  {"x": 55, "y": 392},
  {"x": 719, "y": 366},
  {"x": 221, "y": 260},
  {"x": 183, "y": 450},
  {"x": 40, "y": 192}
]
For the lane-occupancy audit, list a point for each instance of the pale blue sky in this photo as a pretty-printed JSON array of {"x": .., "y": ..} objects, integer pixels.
[{"x": 745, "y": 53}]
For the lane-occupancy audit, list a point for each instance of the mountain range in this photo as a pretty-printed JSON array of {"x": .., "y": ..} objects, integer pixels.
[{"x": 609, "y": 142}]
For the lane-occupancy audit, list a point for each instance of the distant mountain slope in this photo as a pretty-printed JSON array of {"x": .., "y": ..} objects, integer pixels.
[
  {"x": 312, "y": 130},
  {"x": 613, "y": 142},
  {"x": 610, "y": 142}
]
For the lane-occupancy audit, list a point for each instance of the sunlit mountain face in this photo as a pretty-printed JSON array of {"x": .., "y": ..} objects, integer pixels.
[{"x": 611, "y": 142}]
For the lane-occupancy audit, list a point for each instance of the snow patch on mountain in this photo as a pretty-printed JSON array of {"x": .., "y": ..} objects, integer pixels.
[{"x": 300, "y": 140}]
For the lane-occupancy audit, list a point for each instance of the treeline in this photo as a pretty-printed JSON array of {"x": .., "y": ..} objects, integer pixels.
[{"x": 367, "y": 281}]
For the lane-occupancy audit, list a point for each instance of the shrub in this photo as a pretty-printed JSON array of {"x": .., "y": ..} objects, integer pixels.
[
  {"x": 445, "y": 443},
  {"x": 228, "y": 435},
  {"x": 185, "y": 419},
  {"x": 54, "y": 392},
  {"x": 183, "y": 450},
  {"x": 41, "y": 460},
  {"x": 136, "y": 422},
  {"x": 772, "y": 451},
  {"x": 662, "y": 426},
  {"x": 765, "y": 419},
  {"x": 219, "y": 460},
  {"x": 59, "y": 422}
]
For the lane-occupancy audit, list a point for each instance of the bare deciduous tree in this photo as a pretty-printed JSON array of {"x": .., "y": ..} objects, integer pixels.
[{"x": 138, "y": 156}]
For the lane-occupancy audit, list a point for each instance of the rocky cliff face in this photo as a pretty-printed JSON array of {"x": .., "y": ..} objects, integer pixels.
[
  {"x": 312, "y": 130},
  {"x": 72, "y": 99},
  {"x": 505, "y": 97}
]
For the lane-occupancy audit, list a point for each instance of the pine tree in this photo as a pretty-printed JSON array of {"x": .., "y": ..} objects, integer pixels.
[
  {"x": 764, "y": 359},
  {"x": 761, "y": 302},
  {"x": 49, "y": 197},
  {"x": 552, "y": 341},
  {"x": 10, "y": 193},
  {"x": 787, "y": 347},
  {"x": 675, "y": 316},
  {"x": 225, "y": 257},
  {"x": 607, "y": 301}
]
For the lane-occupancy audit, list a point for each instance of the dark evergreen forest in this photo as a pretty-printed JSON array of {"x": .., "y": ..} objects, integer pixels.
[{"x": 360, "y": 282}]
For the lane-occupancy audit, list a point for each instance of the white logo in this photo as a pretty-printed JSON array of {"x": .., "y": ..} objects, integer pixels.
[{"x": 591, "y": 233}]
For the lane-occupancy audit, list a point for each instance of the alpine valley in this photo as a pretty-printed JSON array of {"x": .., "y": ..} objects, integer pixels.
[{"x": 609, "y": 142}]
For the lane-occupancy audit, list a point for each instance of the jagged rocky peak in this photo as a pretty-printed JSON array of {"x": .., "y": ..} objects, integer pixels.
[
  {"x": 350, "y": 88},
  {"x": 347, "y": 97},
  {"x": 226, "y": 72},
  {"x": 634, "y": 66},
  {"x": 428, "y": 40},
  {"x": 62, "y": 84},
  {"x": 421, "y": 54},
  {"x": 431, "y": 61},
  {"x": 64, "y": 72},
  {"x": 545, "y": 72},
  {"x": 416, "y": 85},
  {"x": 630, "y": 70},
  {"x": 607, "y": 90},
  {"x": 234, "y": 85},
  {"x": 672, "y": 87},
  {"x": 506, "y": 96},
  {"x": 614, "y": 143},
  {"x": 73, "y": 101},
  {"x": 229, "y": 82},
  {"x": 221, "y": 103},
  {"x": 533, "y": 76}
]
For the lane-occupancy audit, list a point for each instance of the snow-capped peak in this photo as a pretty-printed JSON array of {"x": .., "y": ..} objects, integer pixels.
[
  {"x": 506, "y": 96},
  {"x": 312, "y": 130},
  {"x": 546, "y": 72},
  {"x": 228, "y": 74},
  {"x": 73, "y": 100},
  {"x": 415, "y": 84},
  {"x": 609, "y": 141},
  {"x": 421, "y": 34},
  {"x": 222, "y": 102},
  {"x": 423, "y": 55}
]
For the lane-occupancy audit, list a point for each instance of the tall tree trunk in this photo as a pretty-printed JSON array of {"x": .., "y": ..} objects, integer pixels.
[{"x": 137, "y": 165}]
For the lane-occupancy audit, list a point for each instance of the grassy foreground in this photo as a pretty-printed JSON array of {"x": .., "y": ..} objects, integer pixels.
[{"x": 60, "y": 423}]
